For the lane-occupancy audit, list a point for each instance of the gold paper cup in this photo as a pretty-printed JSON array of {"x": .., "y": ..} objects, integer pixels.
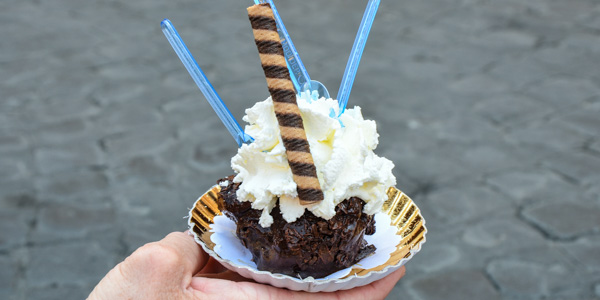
[{"x": 405, "y": 215}]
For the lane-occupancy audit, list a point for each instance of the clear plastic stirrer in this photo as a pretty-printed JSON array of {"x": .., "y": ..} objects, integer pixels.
[
  {"x": 356, "y": 53},
  {"x": 207, "y": 89},
  {"x": 298, "y": 73}
]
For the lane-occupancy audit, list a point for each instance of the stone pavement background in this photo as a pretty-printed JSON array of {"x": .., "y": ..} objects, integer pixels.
[{"x": 489, "y": 109}]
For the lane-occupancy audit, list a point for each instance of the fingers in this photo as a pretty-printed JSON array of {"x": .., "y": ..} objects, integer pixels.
[
  {"x": 163, "y": 267},
  {"x": 210, "y": 286},
  {"x": 386, "y": 284},
  {"x": 391, "y": 279},
  {"x": 173, "y": 259},
  {"x": 230, "y": 285},
  {"x": 189, "y": 254}
]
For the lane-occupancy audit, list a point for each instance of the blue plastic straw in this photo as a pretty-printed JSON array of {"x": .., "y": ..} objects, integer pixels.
[
  {"x": 207, "y": 89},
  {"x": 356, "y": 53}
]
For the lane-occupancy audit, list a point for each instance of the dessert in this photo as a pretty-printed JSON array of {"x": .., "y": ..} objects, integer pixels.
[
  {"x": 308, "y": 188},
  {"x": 285, "y": 236},
  {"x": 309, "y": 246},
  {"x": 305, "y": 191}
]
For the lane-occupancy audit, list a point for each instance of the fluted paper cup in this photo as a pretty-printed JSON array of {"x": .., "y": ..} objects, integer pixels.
[{"x": 406, "y": 230}]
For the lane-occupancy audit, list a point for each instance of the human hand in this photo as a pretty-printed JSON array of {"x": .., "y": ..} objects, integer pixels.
[{"x": 177, "y": 268}]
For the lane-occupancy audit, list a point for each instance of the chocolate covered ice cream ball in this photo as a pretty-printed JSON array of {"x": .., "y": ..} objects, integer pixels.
[{"x": 309, "y": 246}]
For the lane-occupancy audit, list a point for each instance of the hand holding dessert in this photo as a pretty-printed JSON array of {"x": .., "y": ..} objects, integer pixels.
[
  {"x": 308, "y": 188},
  {"x": 177, "y": 268}
]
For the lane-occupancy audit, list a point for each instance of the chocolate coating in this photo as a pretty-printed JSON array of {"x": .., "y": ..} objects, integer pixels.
[
  {"x": 261, "y": 22},
  {"x": 310, "y": 246},
  {"x": 282, "y": 95}
]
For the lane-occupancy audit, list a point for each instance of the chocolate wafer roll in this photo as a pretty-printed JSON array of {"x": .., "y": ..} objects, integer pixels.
[{"x": 282, "y": 92}]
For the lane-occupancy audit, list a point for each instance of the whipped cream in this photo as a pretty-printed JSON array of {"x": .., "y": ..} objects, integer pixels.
[{"x": 343, "y": 155}]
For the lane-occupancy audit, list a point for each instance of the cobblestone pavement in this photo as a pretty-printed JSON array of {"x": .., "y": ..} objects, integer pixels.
[{"x": 489, "y": 109}]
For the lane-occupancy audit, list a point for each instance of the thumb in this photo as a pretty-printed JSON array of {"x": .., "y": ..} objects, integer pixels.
[
  {"x": 153, "y": 268},
  {"x": 176, "y": 257}
]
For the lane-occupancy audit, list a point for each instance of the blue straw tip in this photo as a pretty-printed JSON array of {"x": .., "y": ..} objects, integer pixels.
[{"x": 165, "y": 22}]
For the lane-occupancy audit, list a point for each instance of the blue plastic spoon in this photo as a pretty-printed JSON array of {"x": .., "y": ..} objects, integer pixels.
[
  {"x": 298, "y": 73},
  {"x": 202, "y": 82},
  {"x": 356, "y": 54}
]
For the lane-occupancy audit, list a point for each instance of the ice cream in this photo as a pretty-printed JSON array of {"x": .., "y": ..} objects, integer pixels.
[
  {"x": 342, "y": 151},
  {"x": 305, "y": 156},
  {"x": 285, "y": 236},
  {"x": 307, "y": 185}
]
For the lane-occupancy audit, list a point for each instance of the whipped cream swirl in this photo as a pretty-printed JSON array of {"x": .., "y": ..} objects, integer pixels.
[{"x": 343, "y": 155}]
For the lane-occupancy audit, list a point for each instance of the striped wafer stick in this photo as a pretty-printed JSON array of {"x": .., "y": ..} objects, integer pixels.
[{"x": 284, "y": 101}]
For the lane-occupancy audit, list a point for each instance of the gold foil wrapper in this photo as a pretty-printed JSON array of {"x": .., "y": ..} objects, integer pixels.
[{"x": 405, "y": 215}]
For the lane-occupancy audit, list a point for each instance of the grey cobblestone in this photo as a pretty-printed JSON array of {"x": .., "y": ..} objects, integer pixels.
[
  {"x": 511, "y": 110},
  {"x": 61, "y": 107},
  {"x": 10, "y": 143},
  {"x": 585, "y": 251},
  {"x": 466, "y": 130},
  {"x": 10, "y": 170},
  {"x": 523, "y": 69},
  {"x": 438, "y": 258},
  {"x": 585, "y": 121},
  {"x": 595, "y": 146},
  {"x": 60, "y": 221},
  {"x": 17, "y": 214},
  {"x": 533, "y": 186},
  {"x": 501, "y": 235},
  {"x": 124, "y": 145},
  {"x": 463, "y": 204},
  {"x": 545, "y": 138},
  {"x": 82, "y": 184},
  {"x": 565, "y": 220},
  {"x": 15, "y": 227},
  {"x": 562, "y": 278},
  {"x": 145, "y": 169},
  {"x": 563, "y": 92},
  {"x": 61, "y": 132},
  {"x": 534, "y": 280},
  {"x": 67, "y": 156},
  {"x": 126, "y": 116},
  {"x": 7, "y": 277},
  {"x": 577, "y": 166},
  {"x": 56, "y": 265},
  {"x": 57, "y": 292},
  {"x": 518, "y": 278},
  {"x": 489, "y": 110},
  {"x": 118, "y": 92},
  {"x": 468, "y": 284}
]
